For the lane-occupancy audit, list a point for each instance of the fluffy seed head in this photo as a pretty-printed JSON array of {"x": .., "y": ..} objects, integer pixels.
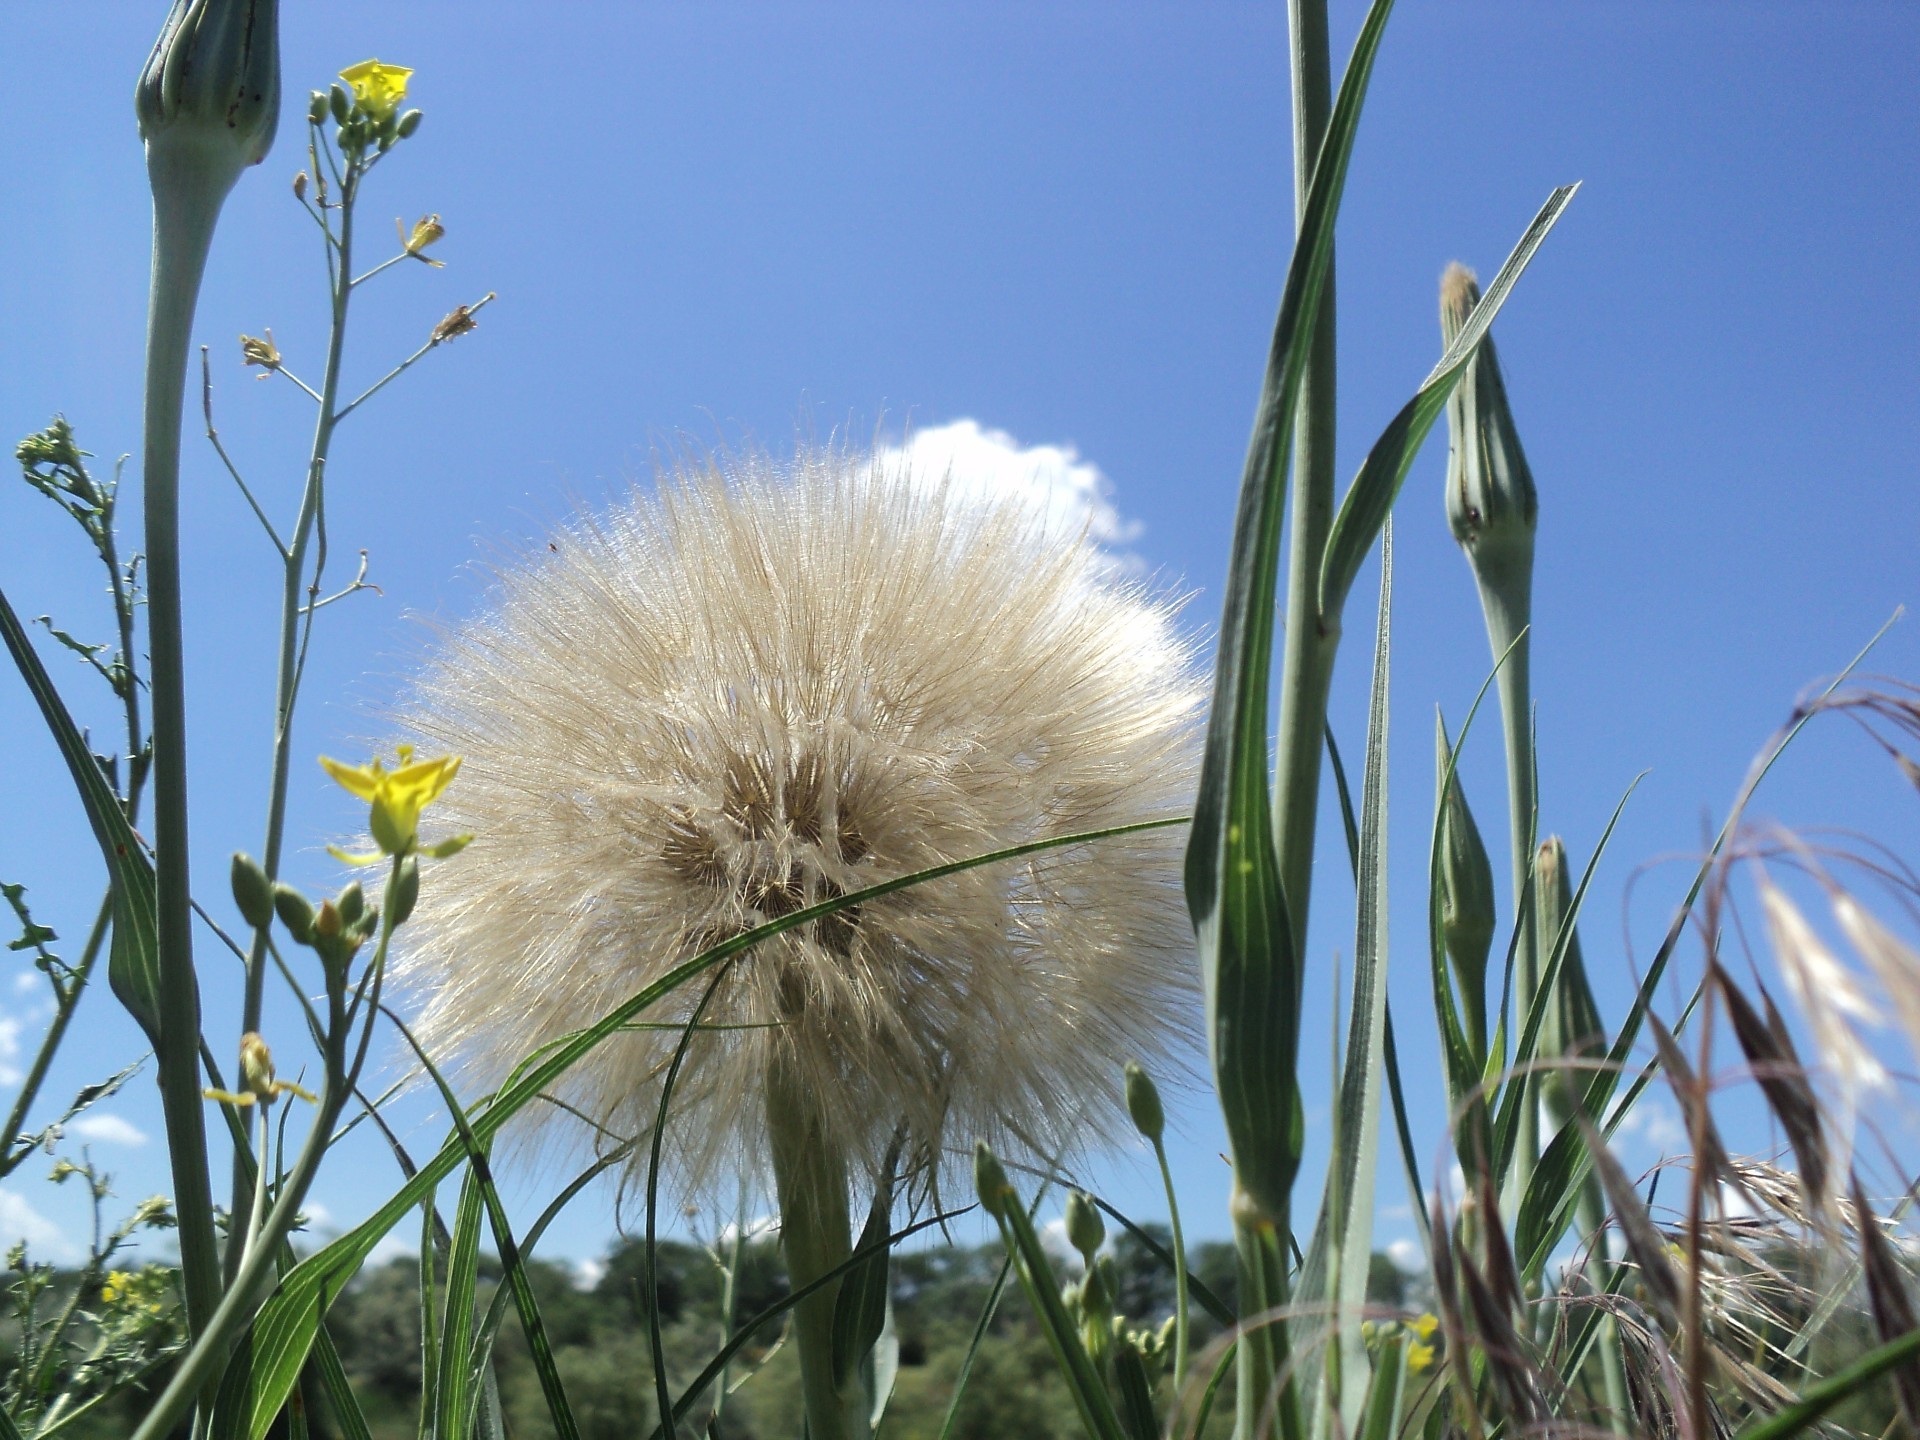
[{"x": 772, "y": 683}]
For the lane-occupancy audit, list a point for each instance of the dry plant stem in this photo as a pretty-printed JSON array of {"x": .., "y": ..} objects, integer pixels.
[
  {"x": 296, "y": 622},
  {"x": 816, "y": 1235},
  {"x": 186, "y": 206}
]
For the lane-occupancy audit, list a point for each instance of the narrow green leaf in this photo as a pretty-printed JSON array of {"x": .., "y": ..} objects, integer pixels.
[
  {"x": 860, "y": 1311},
  {"x": 1234, "y": 891},
  {"x": 8, "y": 1430},
  {"x": 1370, "y": 498},
  {"x": 454, "y": 1393},
  {"x": 1338, "y": 1257},
  {"x": 1210, "y": 1302},
  {"x": 133, "y": 960},
  {"x": 347, "y": 1413},
  {"x": 1386, "y": 1395},
  {"x": 284, "y": 1328}
]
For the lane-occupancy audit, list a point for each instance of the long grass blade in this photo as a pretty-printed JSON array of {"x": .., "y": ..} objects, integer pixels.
[{"x": 454, "y": 1393}]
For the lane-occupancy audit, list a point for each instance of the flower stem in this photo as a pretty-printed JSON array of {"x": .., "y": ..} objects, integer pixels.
[
  {"x": 816, "y": 1234},
  {"x": 187, "y": 195}
]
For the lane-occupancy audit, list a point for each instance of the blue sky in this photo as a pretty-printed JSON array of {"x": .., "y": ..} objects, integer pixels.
[{"x": 1067, "y": 223}]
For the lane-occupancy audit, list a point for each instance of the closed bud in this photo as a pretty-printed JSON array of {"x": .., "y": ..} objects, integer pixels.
[
  {"x": 1467, "y": 917},
  {"x": 300, "y": 186},
  {"x": 1086, "y": 1231},
  {"x": 990, "y": 1179},
  {"x": 294, "y": 911},
  {"x": 252, "y": 894},
  {"x": 339, "y": 104},
  {"x": 209, "y": 97},
  {"x": 409, "y": 123},
  {"x": 406, "y": 889},
  {"x": 1491, "y": 503},
  {"x": 317, "y": 107},
  {"x": 327, "y": 923},
  {"x": 1143, "y": 1103},
  {"x": 1573, "y": 1029},
  {"x": 352, "y": 903}
]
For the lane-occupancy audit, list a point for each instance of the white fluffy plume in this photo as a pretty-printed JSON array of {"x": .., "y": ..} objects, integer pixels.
[{"x": 769, "y": 683}]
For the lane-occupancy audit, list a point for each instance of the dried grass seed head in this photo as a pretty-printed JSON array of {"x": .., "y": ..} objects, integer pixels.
[{"x": 771, "y": 683}]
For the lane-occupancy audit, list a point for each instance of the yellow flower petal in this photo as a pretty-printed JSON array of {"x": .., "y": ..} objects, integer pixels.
[
  {"x": 361, "y": 780},
  {"x": 452, "y": 846},
  {"x": 347, "y": 857},
  {"x": 378, "y": 88}
]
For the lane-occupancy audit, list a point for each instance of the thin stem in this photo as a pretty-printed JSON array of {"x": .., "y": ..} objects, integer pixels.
[
  {"x": 406, "y": 364},
  {"x": 11, "y": 1159},
  {"x": 186, "y": 206},
  {"x": 213, "y": 437},
  {"x": 1179, "y": 1271},
  {"x": 294, "y": 618}
]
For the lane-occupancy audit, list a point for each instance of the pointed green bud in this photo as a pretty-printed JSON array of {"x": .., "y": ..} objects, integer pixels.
[
  {"x": 317, "y": 107},
  {"x": 351, "y": 903},
  {"x": 990, "y": 1179},
  {"x": 1143, "y": 1103},
  {"x": 1572, "y": 1028},
  {"x": 339, "y": 104},
  {"x": 1491, "y": 502},
  {"x": 406, "y": 889},
  {"x": 1086, "y": 1231},
  {"x": 409, "y": 123},
  {"x": 252, "y": 893},
  {"x": 209, "y": 96},
  {"x": 295, "y": 912},
  {"x": 1467, "y": 917}
]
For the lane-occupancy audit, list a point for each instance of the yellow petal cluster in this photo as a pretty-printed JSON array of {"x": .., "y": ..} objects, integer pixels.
[
  {"x": 396, "y": 798},
  {"x": 379, "y": 88}
]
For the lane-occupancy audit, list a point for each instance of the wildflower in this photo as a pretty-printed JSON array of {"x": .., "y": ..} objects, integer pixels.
[
  {"x": 260, "y": 1085},
  {"x": 397, "y": 797},
  {"x": 115, "y": 1286},
  {"x": 377, "y": 89},
  {"x": 426, "y": 230},
  {"x": 775, "y": 684},
  {"x": 1420, "y": 1357}
]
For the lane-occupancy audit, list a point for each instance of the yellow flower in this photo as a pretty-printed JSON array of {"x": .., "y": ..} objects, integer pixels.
[
  {"x": 1424, "y": 1326},
  {"x": 379, "y": 88},
  {"x": 256, "y": 1074},
  {"x": 115, "y": 1286},
  {"x": 426, "y": 230},
  {"x": 397, "y": 797},
  {"x": 1419, "y": 1357}
]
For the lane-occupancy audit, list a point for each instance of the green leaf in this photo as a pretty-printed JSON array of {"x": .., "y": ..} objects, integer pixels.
[
  {"x": 1386, "y": 1394},
  {"x": 453, "y": 1395},
  {"x": 133, "y": 962},
  {"x": 860, "y": 1311},
  {"x": 284, "y": 1328},
  {"x": 1338, "y": 1257},
  {"x": 1370, "y": 498},
  {"x": 333, "y": 1376}
]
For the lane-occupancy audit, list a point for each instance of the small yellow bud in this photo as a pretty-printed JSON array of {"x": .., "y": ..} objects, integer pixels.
[{"x": 326, "y": 920}]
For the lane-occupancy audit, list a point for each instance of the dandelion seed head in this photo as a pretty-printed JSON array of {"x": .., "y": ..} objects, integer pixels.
[{"x": 767, "y": 684}]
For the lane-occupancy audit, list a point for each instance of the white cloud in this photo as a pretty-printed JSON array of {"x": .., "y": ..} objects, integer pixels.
[
  {"x": 10, "y": 1028},
  {"x": 1407, "y": 1254},
  {"x": 588, "y": 1273},
  {"x": 27, "y": 981},
  {"x": 761, "y": 1227},
  {"x": 1654, "y": 1123},
  {"x": 108, "y": 1130},
  {"x": 388, "y": 1248},
  {"x": 1053, "y": 1240},
  {"x": 46, "y": 1240},
  {"x": 319, "y": 1217},
  {"x": 1072, "y": 492}
]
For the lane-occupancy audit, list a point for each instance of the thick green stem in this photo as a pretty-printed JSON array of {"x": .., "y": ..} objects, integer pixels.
[
  {"x": 1267, "y": 1397},
  {"x": 816, "y": 1235},
  {"x": 297, "y": 591},
  {"x": 187, "y": 194}
]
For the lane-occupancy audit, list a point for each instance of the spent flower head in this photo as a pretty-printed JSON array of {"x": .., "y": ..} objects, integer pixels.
[{"x": 773, "y": 684}]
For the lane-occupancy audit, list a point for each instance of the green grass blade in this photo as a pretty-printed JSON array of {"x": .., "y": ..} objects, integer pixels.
[
  {"x": 1816, "y": 1400},
  {"x": 1386, "y": 1395},
  {"x": 133, "y": 961},
  {"x": 429, "y": 1323},
  {"x": 284, "y": 1328},
  {"x": 8, "y": 1430},
  {"x": 1370, "y": 498},
  {"x": 1339, "y": 1254},
  {"x": 347, "y": 1413},
  {"x": 1234, "y": 889},
  {"x": 453, "y": 1396}
]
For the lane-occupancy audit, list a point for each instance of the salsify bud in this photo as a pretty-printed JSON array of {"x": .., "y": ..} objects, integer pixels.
[
  {"x": 990, "y": 1179},
  {"x": 1143, "y": 1103},
  {"x": 1086, "y": 1231},
  {"x": 1572, "y": 1027},
  {"x": 252, "y": 893},
  {"x": 210, "y": 93},
  {"x": 1491, "y": 502},
  {"x": 1467, "y": 918}
]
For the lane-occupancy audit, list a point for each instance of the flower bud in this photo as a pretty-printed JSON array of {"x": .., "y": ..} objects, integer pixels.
[
  {"x": 317, "y": 106},
  {"x": 1467, "y": 918},
  {"x": 1143, "y": 1103},
  {"x": 406, "y": 889},
  {"x": 1572, "y": 1027},
  {"x": 1491, "y": 503},
  {"x": 339, "y": 104},
  {"x": 990, "y": 1179},
  {"x": 352, "y": 903},
  {"x": 295, "y": 912},
  {"x": 327, "y": 923},
  {"x": 210, "y": 92},
  {"x": 1086, "y": 1231},
  {"x": 252, "y": 894},
  {"x": 409, "y": 122}
]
